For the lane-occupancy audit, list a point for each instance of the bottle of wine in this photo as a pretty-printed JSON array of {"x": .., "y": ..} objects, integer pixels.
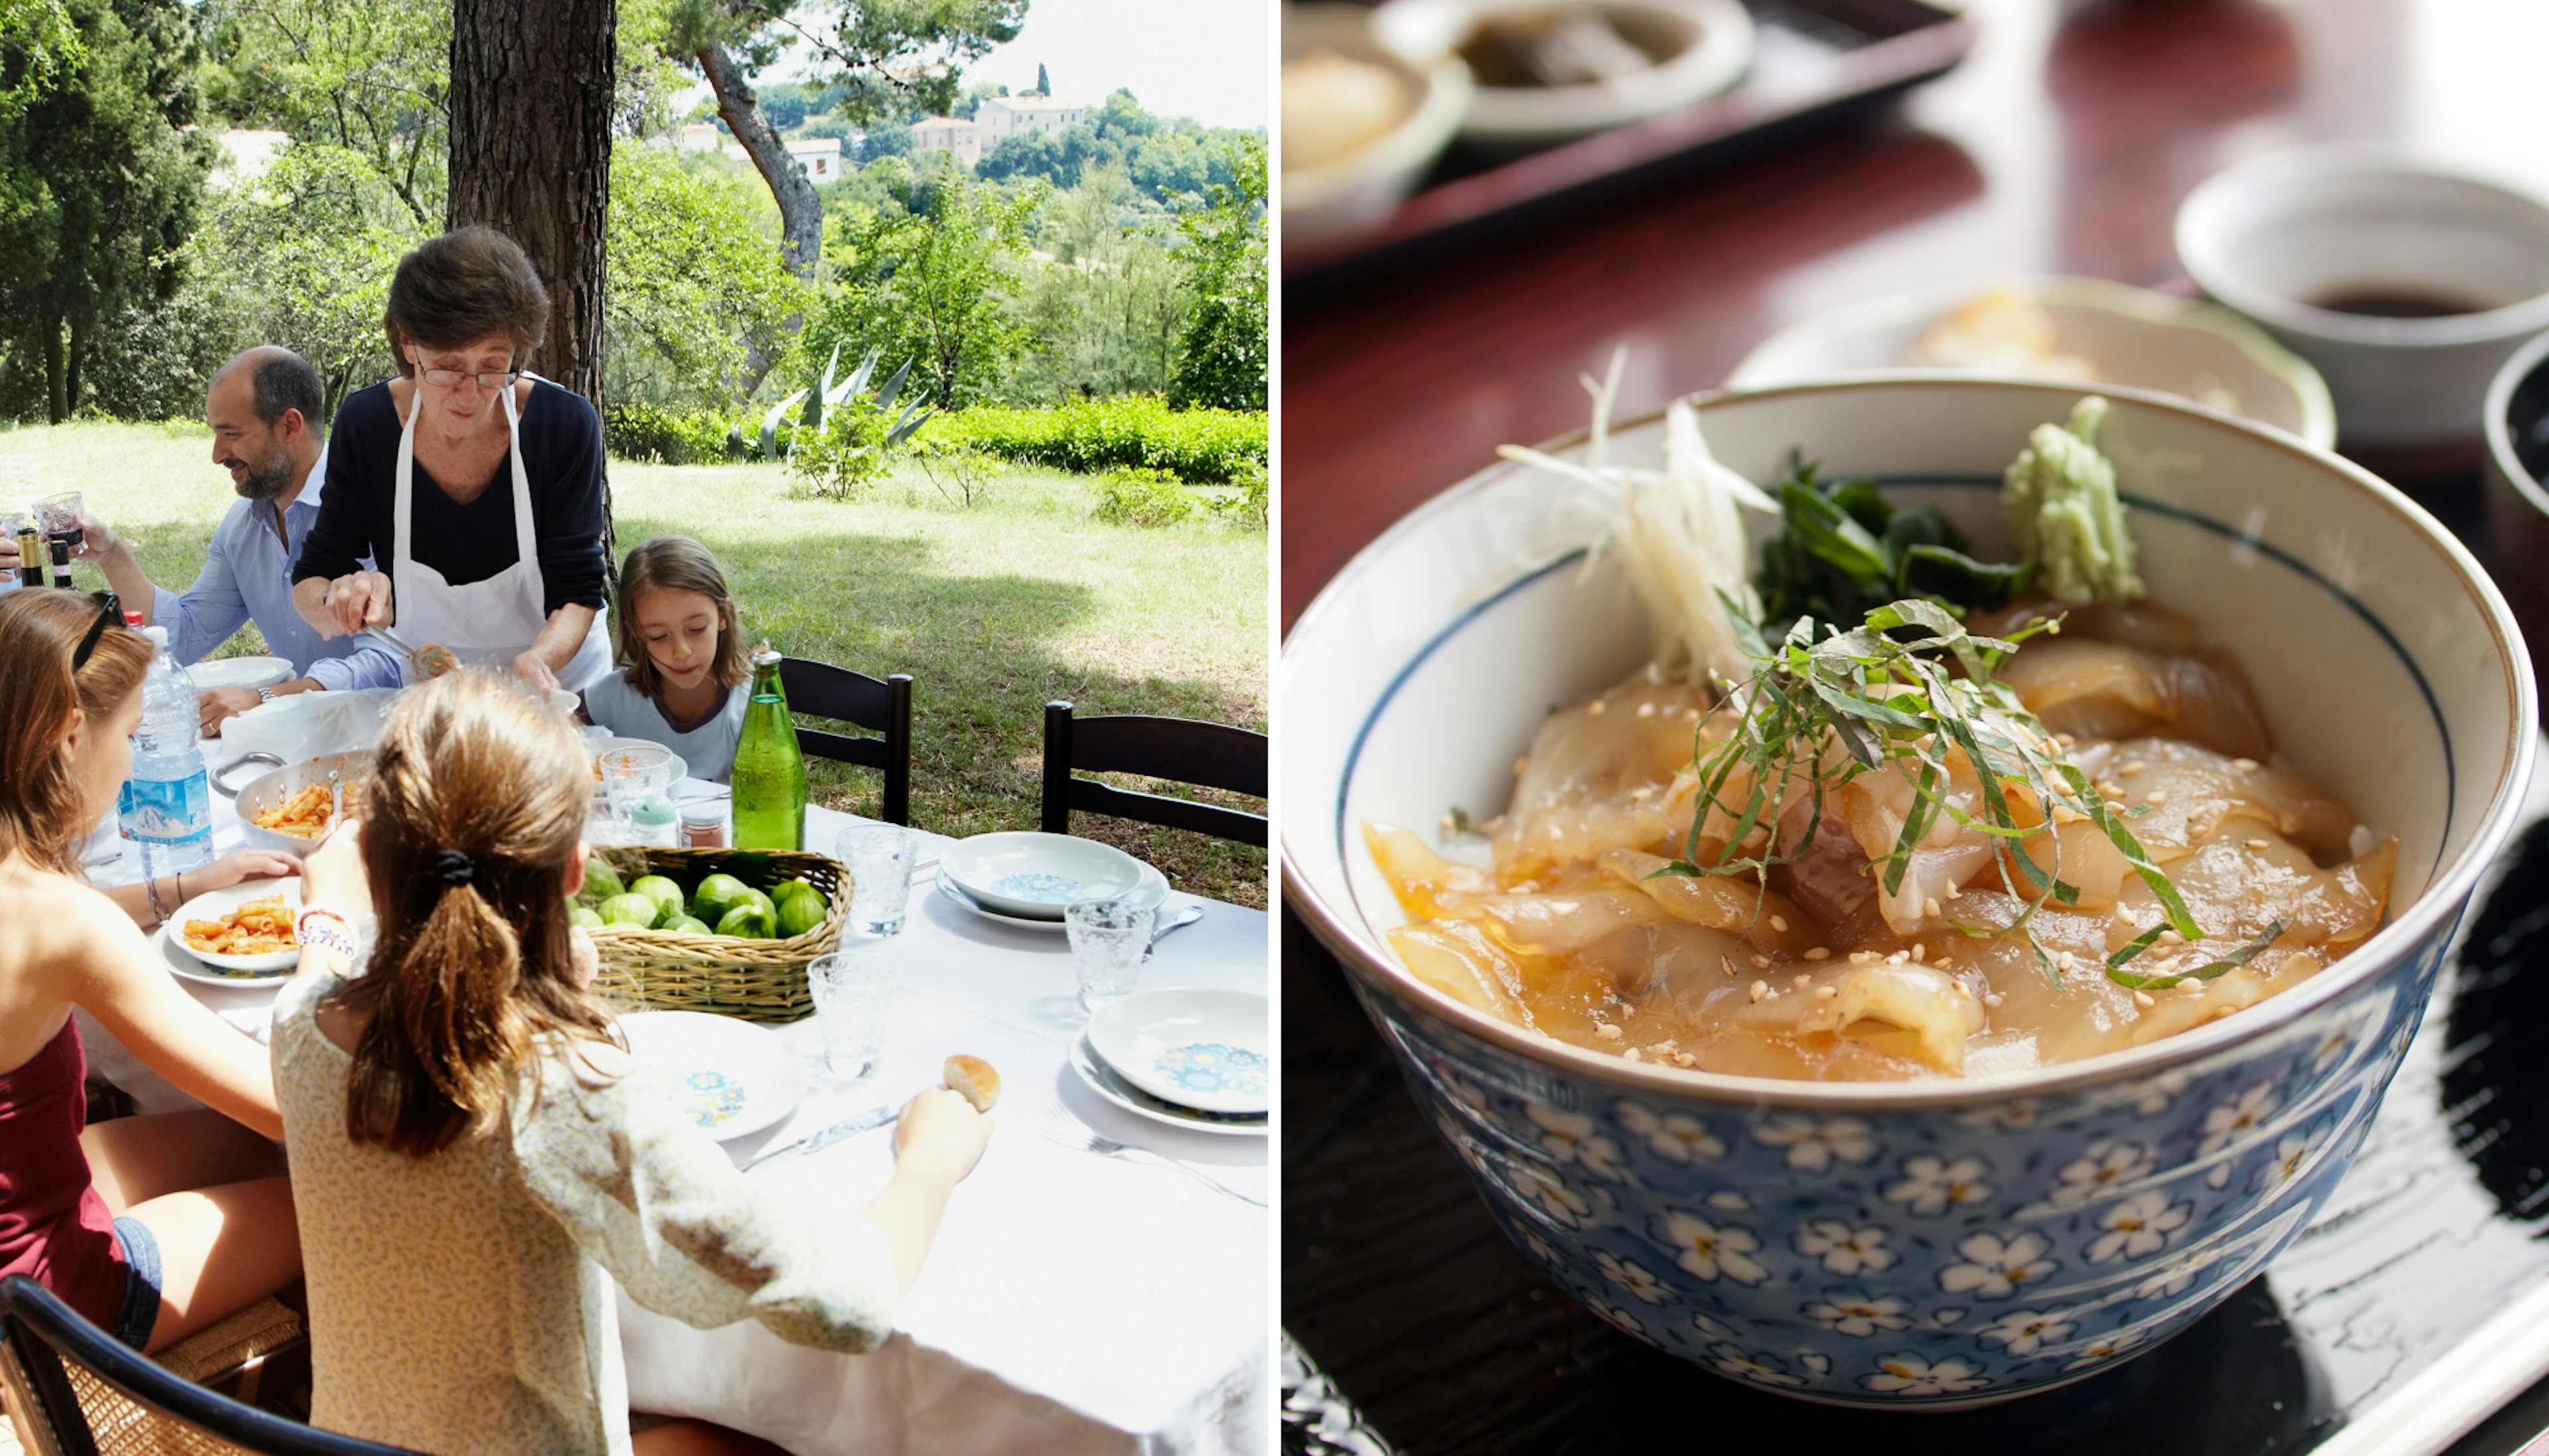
[{"x": 769, "y": 769}]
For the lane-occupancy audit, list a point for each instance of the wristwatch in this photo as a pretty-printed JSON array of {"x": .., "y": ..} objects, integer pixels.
[{"x": 265, "y": 694}]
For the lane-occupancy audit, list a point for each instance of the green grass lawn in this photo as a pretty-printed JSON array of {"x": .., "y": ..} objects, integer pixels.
[{"x": 994, "y": 610}]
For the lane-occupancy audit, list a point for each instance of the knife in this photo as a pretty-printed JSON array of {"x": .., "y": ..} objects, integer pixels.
[{"x": 875, "y": 1117}]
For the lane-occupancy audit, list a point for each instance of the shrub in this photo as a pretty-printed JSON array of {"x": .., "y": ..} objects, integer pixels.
[
  {"x": 1091, "y": 436},
  {"x": 650, "y": 433},
  {"x": 1137, "y": 496},
  {"x": 845, "y": 454},
  {"x": 1248, "y": 506}
]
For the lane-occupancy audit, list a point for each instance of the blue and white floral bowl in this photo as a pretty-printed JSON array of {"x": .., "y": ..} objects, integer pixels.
[{"x": 1945, "y": 1242}]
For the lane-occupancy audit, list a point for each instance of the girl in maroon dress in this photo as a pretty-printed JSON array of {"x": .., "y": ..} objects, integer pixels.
[{"x": 151, "y": 1226}]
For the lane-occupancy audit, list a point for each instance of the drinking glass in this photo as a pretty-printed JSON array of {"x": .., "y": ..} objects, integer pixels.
[
  {"x": 878, "y": 858},
  {"x": 629, "y": 773},
  {"x": 850, "y": 989},
  {"x": 60, "y": 515},
  {"x": 1107, "y": 938}
]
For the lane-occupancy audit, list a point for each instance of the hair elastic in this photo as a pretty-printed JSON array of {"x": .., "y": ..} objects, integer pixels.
[{"x": 453, "y": 867}]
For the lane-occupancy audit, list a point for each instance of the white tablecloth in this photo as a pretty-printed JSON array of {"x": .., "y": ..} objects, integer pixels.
[{"x": 1072, "y": 1304}]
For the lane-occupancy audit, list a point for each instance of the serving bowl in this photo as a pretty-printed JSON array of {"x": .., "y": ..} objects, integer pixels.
[
  {"x": 1949, "y": 1242},
  {"x": 2516, "y": 484},
  {"x": 283, "y": 782},
  {"x": 1698, "y": 48},
  {"x": 2130, "y": 335},
  {"x": 1360, "y": 188}
]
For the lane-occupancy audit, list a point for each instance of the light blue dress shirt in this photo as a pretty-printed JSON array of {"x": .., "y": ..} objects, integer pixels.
[{"x": 247, "y": 576}]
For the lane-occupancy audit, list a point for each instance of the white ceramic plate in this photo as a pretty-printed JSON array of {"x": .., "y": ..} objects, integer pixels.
[
  {"x": 1102, "y": 1080},
  {"x": 2130, "y": 335},
  {"x": 729, "y": 1077},
  {"x": 251, "y": 673},
  {"x": 1209, "y": 1050},
  {"x": 1157, "y": 883},
  {"x": 1033, "y": 875},
  {"x": 1705, "y": 46},
  {"x": 232, "y": 970}
]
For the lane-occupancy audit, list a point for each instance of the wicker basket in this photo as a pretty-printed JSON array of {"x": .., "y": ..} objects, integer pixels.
[{"x": 729, "y": 975}]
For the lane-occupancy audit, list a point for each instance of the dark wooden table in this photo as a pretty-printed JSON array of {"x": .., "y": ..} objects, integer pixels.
[{"x": 2062, "y": 146}]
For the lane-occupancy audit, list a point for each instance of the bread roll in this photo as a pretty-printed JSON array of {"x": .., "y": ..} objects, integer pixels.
[{"x": 974, "y": 1077}]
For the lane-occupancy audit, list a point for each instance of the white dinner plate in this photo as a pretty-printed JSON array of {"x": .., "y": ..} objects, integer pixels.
[
  {"x": 1209, "y": 1050},
  {"x": 251, "y": 673},
  {"x": 1156, "y": 882},
  {"x": 729, "y": 1077},
  {"x": 1101, "y": 1079},
  {"x": 235, "y": 970},
  {"x": 1033, "y": 875}
]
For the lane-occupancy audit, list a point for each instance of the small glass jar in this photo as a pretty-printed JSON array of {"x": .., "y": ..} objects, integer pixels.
[
  {"x": 652, "y": 822},
  {"x": 704, "y": 826}
]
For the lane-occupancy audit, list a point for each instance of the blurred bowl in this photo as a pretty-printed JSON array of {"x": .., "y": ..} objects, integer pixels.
[
  {"x": 1941, "y": 1243},
  {"x": 2133, "y": 336},
  {"x": 1700, "y": 48},
  {"x": 2280, "y": 236},
  {"x": 1362, "y": 187},
  {"x": 2515, "y": 496}
]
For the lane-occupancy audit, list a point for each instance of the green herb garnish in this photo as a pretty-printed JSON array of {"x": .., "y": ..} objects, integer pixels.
[
  {"x": 1844, "y": 550},
  {"x": 1883, "y": 697},
  {"x": 2204, "y": 973}
]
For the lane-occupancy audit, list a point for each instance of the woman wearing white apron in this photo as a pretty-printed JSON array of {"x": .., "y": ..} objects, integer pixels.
[{"x": 478, "y": 483}]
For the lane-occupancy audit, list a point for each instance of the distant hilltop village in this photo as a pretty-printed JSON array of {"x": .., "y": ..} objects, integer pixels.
[{"x": 969, "y": 141}]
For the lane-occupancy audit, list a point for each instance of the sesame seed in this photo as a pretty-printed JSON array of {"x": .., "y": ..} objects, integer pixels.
[
  {"x": 1760, "y": 963},
  {"x": 1920, "y": 951},
  {"x": 1779, "y": 923},
  {"x": 2066, "y": 960},
  {"x": 2065, "y": 814},
  {"x": 1826, "y": 993},
  {"x": 1684, "y": 1059},
  {"x": 1804, "y": 982},
  {"x": 1608, "y": 1032},
  {"x": 1953, "y": 890},
  {"x": 2133, "y": 767},
  {"x": 1727, "y": 962},
  {"x": 1898, "y": 957},
  {"x": 1820, "y": 953},
  {"x": 2260, "y": 844},
  {"x": 1862, "y": 958},
  {"x": 2066, "y": 740},
  {"x": 1992, "y": 998},
  {"x": 1646, "y": 711},
  {"x": 2245, "y": 765},
  {"x": 2144, "y": 1000},
  {"x": 1930, "y": 907},
  {"x": 1631, "y": 1055},
  {"x": 2156, "y": 797},
  {"x": 1962, "y": 989},
  {"x": 1596, "y": 709},
  {"x": 2171, "y": 938},
  {"x": 1760, "y": 990}
]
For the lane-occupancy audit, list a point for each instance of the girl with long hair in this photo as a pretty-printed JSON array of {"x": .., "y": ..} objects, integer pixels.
[
  {"x": 471, "y": 1153},
  {"x": 151, "y": 1226}
]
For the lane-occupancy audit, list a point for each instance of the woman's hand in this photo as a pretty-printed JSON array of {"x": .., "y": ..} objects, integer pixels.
[
  {"x": 332, "y": 873},
  {"x": 941, "y": 1131},
  {"x": 359, "y": 599},
  {"x": 533, "y": 668},
  {"x": 242, "y": 864}
]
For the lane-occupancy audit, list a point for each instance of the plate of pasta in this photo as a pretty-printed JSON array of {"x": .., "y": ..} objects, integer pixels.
[{"x": 243, "y": 933}]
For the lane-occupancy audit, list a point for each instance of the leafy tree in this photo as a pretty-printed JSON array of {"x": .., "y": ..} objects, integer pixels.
[
  {"x": 1221, "y": 361},
  {"x": 884, "y": 142},
  {"x": 1044, "y": 84},
  {"x": 1163, "y": 157},
  {"x": 933, "y": 285},
  {"x": 39, "y": 46},
  {"x": 696, "y": 286},
  {"x": 371, "y": 77},
  {"x": 98, "y": 185},
  {"x": 1109, "y": 306}
]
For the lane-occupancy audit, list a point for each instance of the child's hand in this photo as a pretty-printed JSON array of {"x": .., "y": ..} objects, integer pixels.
[
  {"x": 333, "y": 875},
  {"x": 943, "y": 1131},
  {"x": 242, "y": 864}
]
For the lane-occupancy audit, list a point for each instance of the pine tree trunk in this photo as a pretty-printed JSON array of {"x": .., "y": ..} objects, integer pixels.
[
  {"x": 800, "y": 210},
  {"x": 531, "y": 84}
]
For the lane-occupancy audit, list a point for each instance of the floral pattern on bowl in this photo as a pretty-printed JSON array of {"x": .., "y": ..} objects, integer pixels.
[
  {"x": 1211, "y": 1066},
  {"x": 1936, "y": 1257},
  {"x": 1046, "y": 889}
]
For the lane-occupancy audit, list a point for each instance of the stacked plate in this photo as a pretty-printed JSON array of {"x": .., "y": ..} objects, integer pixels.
[
  {"x": 1190, "y": 1058},
  {"x": 1026, "y": 879}
]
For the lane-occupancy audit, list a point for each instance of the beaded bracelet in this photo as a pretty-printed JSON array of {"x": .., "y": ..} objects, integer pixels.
[{"x": 309, "y": 929}]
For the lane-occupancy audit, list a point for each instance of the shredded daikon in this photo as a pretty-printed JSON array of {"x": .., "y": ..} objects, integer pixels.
[{"x": 1678, "y": 532}]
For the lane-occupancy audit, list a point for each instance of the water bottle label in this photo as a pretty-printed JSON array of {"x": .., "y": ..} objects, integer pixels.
[{"x": 166, "y": 811}]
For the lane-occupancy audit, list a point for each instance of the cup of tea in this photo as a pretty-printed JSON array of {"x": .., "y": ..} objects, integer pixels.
[{"x": 2407, "y": 280}]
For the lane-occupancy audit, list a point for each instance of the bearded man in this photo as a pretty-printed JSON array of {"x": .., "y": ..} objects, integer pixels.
[{"x": 263, "y": 408}]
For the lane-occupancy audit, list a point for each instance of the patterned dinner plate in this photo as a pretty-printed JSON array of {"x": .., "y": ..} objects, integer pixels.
[
  {"x": 1101, "y": 1079},
  {"x": 1029, "y": 875},
  {"x": 729, "y": 1077},
  {"x": 1205, "y": 1049}
]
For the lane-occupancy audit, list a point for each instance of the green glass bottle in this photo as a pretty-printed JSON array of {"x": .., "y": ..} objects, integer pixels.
[{"x": 769, "y": 769}]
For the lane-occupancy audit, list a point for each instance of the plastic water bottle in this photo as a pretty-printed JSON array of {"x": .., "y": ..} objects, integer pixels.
[{"x": 166, "y": 807}]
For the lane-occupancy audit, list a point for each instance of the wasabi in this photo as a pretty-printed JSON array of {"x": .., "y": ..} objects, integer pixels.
[{"x": 2064, "y": 517}]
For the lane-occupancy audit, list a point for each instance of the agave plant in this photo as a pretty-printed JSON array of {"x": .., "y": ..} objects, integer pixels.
[{"x": 822, "y": 402}]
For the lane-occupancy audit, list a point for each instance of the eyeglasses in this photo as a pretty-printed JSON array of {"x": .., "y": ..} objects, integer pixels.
[
  {"x": 109, "y": 612},
  {"x": 452, "y": 379}
]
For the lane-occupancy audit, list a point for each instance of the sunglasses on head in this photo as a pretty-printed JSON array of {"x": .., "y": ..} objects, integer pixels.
[{"x": 109, "y": 612}]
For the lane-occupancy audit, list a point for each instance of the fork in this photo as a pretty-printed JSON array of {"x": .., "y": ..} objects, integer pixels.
[{"x": 1063, "y": 1129}]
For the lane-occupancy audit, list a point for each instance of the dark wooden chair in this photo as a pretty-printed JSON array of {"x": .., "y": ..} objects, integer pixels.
[
  {"x": 828, "y": 691},
  {"x": 1182, "y": 749},
  {"x": 82, "y": 1393}
]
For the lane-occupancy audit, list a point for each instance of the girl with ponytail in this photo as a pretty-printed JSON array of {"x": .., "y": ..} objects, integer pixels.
[
  {"x": 471, "y": 1155},
  {"x": 150, "y": 1227}
]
